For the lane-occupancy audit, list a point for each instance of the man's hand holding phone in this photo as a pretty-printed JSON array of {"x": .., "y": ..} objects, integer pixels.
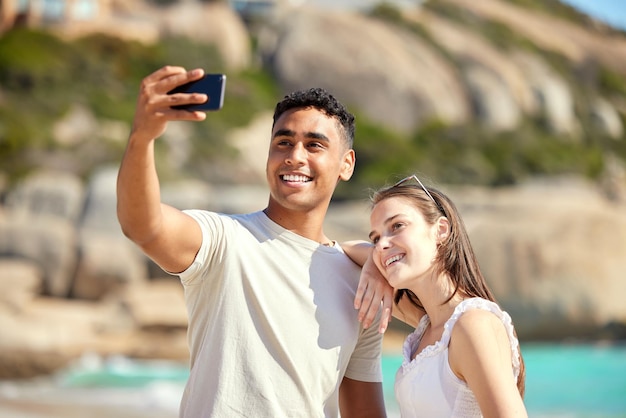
[
  {"x": 211, "y": 85},
  {"x": 157, "y": 104}
]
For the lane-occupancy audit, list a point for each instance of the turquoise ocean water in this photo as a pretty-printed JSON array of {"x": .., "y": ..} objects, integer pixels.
[{"x": 563, "y": 380}]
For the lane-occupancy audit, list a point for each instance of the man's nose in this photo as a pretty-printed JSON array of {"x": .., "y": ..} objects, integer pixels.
[{"x": 297, "y": 154}]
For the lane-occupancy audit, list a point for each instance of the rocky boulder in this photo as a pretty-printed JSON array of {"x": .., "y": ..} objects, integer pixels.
[
  {"x": 393, "y": 76},
  {"x": 214, "y": 23},
  {"x": 436, "y": 67},
  {"x": 39, "y": 225},
  {"x": 553, "y": 252},
  {"x": 21, "y": 281},
  {"x": 107, "y": 259}
]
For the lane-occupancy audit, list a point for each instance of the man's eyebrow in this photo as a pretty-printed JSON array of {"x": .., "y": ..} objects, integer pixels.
[
  {"x": 284, "y": 132},
  {"x": 310, "y": 135},
  {"x": 317, "y": 135}
]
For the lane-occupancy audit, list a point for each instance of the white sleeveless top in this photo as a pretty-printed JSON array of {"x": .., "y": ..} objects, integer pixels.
[{"x": 426, "y": 386}]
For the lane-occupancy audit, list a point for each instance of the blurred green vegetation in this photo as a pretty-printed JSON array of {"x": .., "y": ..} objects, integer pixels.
[
  {"x": 471, "y": 154},
  {"x": 42, "y": 77}
]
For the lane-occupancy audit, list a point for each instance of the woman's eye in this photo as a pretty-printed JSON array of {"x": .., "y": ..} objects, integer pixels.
[{"x": 396, "y": 226}]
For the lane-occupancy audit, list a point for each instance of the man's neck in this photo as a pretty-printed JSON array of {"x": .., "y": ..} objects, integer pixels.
[{"x": 308, "y": 224}]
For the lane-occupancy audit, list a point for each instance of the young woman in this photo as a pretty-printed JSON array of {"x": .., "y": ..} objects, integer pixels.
[{"x": 463, "y": 359}]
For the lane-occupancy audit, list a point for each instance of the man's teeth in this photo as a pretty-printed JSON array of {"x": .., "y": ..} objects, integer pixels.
[
  {"x": 292, "y": 177},
  {"x": 393, "y": 259}
]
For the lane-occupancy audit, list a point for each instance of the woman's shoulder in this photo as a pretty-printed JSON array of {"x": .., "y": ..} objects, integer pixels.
[
  {"x": 482, "y": 332},
  {"x": 476, "y": 318},
  {"x": 474, "y": 322},
  {"x": 468, "y": 310}
]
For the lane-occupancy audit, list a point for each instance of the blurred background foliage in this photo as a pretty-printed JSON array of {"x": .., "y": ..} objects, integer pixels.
[{"x": 42, "y": 76}]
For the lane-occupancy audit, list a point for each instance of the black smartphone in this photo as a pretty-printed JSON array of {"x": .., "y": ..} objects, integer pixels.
[{"x": 213, "y": 85}]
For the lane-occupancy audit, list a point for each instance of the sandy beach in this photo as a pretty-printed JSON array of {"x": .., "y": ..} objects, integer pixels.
[
  {"x": 23, "y": 409},
  {"x": 48, "y": 398}
]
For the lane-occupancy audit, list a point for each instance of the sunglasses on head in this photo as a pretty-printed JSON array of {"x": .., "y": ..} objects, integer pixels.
[{"x": 414, "y": 177}]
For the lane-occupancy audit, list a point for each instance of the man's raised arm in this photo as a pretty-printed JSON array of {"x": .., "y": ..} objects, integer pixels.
[{"x": 164, "y": 233}]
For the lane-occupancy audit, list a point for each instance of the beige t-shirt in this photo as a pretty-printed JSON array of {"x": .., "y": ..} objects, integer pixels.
[{"x": 272, "y": 328}]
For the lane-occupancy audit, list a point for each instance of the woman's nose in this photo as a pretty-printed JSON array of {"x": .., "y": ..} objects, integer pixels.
[{"x": 383, "y": 243}]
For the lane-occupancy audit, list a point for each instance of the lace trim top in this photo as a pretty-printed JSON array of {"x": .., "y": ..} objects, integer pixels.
[{"x": 426, "y": 386}]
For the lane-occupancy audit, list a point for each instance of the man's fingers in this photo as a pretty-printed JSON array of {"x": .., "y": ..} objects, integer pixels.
[
  {"x": 369, "y": 311},
  {"x": 360, "y": 291},
  {"x": 366, "y": 305},
  {"x": 373, "y": 294},
  {"x": 168, "y": 83},
  {"x": 384, "y": 320},
  {"x": 187, "y": 115},
  {"x": 165, "y": 72},
  {"x": 387, "y": 307},
  {"x": 379, "y": 297},
  {"x": 166, "y": 78}
]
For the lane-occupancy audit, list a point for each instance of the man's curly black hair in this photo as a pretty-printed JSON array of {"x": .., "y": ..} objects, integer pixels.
[{"x": 322, "y": 100}]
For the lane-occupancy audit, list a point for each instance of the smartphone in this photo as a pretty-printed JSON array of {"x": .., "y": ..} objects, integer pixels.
[{"x": 213, "y": 85}]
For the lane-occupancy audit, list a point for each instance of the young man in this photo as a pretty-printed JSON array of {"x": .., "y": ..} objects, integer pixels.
[{"x": 272, "y": 327}]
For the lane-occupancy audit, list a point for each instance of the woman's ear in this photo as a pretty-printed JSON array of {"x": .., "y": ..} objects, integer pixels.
[{"x": 443, "y": 229}]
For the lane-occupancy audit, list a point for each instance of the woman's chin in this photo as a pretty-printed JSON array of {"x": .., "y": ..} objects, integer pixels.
[{"x": 394, "y": 282}]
